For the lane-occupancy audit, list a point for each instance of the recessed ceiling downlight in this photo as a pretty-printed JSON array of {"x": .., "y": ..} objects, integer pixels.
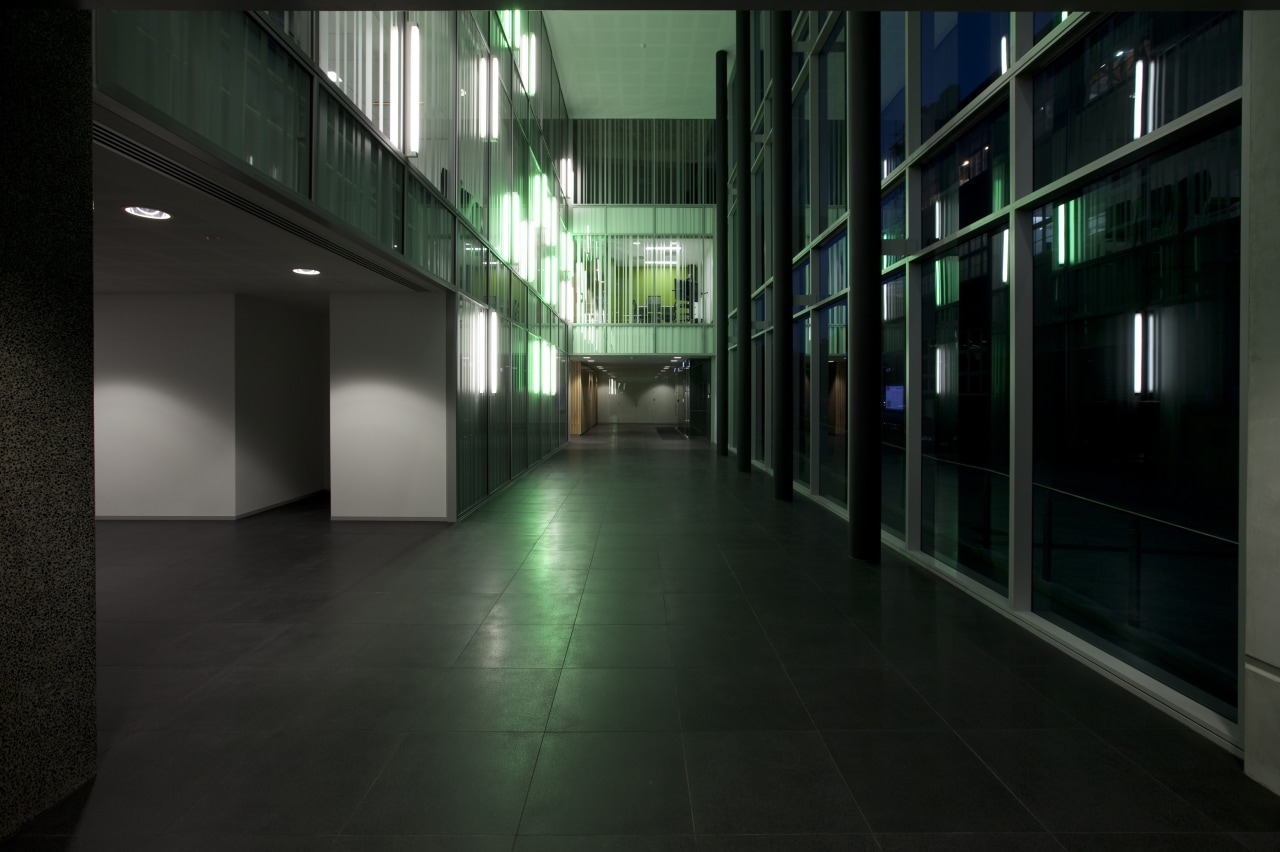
[
  {"x": 147, "y": 213},
  {"x": 302, "y": 271}
]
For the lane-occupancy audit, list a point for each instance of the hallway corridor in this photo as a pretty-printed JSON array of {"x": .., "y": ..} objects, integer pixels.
[{"x": 632, "y": 648}]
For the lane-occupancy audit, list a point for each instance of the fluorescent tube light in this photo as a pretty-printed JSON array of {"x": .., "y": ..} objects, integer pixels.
[
  {"x": 1060, "y": 234},
  {"x": 1151, "y": 352},
  {"x": 482, "y": 108},
  {"x": 1004, "y": 274},
  {"x": 1137, "y": 353},
  {"x": 494, "y": 95},
  {"x": 395, "y": 85},
  {"x": 1151, "y": 98},
  {"x": 1137, "y": 100},
  {"x": 415, "y": 85},
  {"x": 493, "y": 351}
]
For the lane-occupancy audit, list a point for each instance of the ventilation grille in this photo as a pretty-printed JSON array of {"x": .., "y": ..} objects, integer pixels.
[{"x": 110, "y": 139}]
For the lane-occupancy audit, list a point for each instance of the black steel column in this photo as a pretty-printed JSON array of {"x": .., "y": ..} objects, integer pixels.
[
  {"x": 742, "y": 100},
  {"x": 864, "y": 286},
  {"x": 722, "y": 253},
  {"x": 783, "y": 381}
]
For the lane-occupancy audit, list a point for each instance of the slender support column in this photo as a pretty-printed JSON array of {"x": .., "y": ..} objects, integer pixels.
[
  {"x": 1260, "y": 409},
  {"x": 742, "y": 99},
  {"x": 1021, "y": 351},
  {"x": 864, "y": 286},
  {"x": 783, "y": 381},
  {"x": 722, "y": 253}
]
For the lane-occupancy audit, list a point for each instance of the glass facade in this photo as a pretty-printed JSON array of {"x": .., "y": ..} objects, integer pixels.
[
  {"x": 1131, "y": 265},
  {"x": 1136, "y": 281},
  {"x": 964, "y": 488}
]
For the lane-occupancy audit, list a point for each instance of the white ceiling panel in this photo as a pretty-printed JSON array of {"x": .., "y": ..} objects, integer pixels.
[{"x": 630, "y": 64}]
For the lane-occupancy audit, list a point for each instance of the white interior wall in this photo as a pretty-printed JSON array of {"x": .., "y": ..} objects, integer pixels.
[
  {"x": 390, "y": 438},
  {"x": 642, "y": 401},
  {"x": 282, "y": 401},
  {"x": 164, "y": 406}
]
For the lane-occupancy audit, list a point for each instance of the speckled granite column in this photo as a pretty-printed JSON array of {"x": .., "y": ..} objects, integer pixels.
[{"x": 47, "y": 711}]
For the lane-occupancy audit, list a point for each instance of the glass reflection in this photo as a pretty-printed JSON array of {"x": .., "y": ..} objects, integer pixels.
[
  {"x": 833, "y": 401},
  {"x": 1137, "y": 414},
  {"x": 893, "y": 418},
  {"x": 965, "y": 418}
]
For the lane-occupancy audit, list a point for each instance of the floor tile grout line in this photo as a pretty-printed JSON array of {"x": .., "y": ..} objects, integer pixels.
[
  {"x": 405, "y": 736},
  {"x": 830, "y": 757}
]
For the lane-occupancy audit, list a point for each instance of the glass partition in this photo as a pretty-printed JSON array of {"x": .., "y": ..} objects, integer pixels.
[
  {"x": 893, "y": 91},
  {"x": 644, "y": 279},
  {"x": 362, "y": 53},
  {"x": 833, "y": 146},
  {"x": 475, "y": 104},
  {"x": 964, "y": 487},
  {"x": 431, "y": 70},
  {"x": 218, "y": 75},
  {"x": 960, "y": 53},
  {"x": 967, "y": 180},
  {"x": 801, "y": 364},
  {"x": 357, "y": 179},
  {"x": 801, "y": 206},
  {"x": 472, "y": 403},
  {"x": 833, "y": 402},
  {"x": 1137, "y": 324},
  {"x": 893, "y": 398},
  {"x": 428, "y": 233},
  {"x": 1133, "y": 74}
]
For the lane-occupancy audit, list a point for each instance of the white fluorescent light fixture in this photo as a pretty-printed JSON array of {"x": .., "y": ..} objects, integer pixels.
[
  {"x": 1004, "y": 274},
  {"x": 885, "y": 174},
  {"x": 1060, "y": 234},
  {"x": 1004, "y": 54},
  {"x": 148, "y": 213},
  {"x": 671, "y": 248},
  {"x": 532, "y": 81},
  {"x": 1151, "y": 352},
  {"x": 494, "y": 93},
  {"x": 884, "y": 302},
  {"x": 1137, "y": 100},
  {"x": 482, "y": 109},
  {"x": 395, "y": 85},
  {"x": 493, "y": 351},
  {"x": 304, "y": 271},
  {"x": 415, "y": 86},
  {"x": 1137, "y": 353},
  {"x": 937, "y": 377},
  {"x": 937, "y": 219},
  {"x": 1151, "y": 97},
  {"x": 333, "y": 75}
]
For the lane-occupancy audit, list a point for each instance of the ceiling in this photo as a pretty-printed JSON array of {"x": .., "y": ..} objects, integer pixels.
[
  {"x": 634, "y": 367},
  {"x": 208, "y": 246},
  {"x": 632, "y": 64}
]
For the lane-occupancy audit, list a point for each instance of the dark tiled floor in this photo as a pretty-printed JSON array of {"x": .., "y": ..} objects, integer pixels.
[{"x": 632, "y": 648}]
